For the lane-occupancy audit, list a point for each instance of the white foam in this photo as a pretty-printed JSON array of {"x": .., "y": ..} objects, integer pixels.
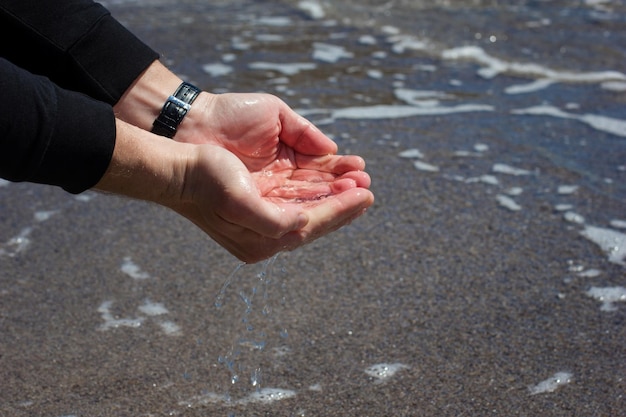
[
  {"x": 598, "y": 122},
  {"x": 508, "y": 203},
  {"x": 17, "y": 244},
  {"x": 509, "y": 170},
  {"x": 170, "y": 328},
  {"x": 530, "y": 87},
  {"x": 618, "y": 224},
  {"x": 110, "y": 322},
  {"x": 465, "y": 154},
  {"x": 150, "y": 308},
  {"x": 612, "y": 242},
  {"x": 313, "y": 8},
  {"x": 375, "y": 74},
  {"x": 42, "y": 216},
  {"x": 539, "y": 23},
  {"x": 617, "y": 86},
  {"x": 572, "y": 217},
  {"x": 489, "y": 179},
  {"x": 239, "y": 44},
  {"x": 419, "y": 97},
  {"x": 217, "y": 69},
  {"x": 481, "y": 147},
  {"x": 423, "y": 166},
  {"x": 590, "y": 273},
  {"x": 514, "y": 191},
  {"x": 394, "y": 112},
  {"x": 268, "y": 395},
  {"x": 329, "y": 53},
  {"x": 492, "y": 66},
  {"x": 281, "y": 21},
  {"x": 390, "y": 30},
  {"x": 426, "y": 67},
  {"x": 367, "y": 40},
  {"x": 85, "y": 197},
  {"x": 403, "y": 42},
  {"x": 608, "y": 296},
  {"x": 133, "y": 270},
  {"x": 379, "y": 54},
  {"x": 269, "y": 37},
  {"x": 411, "y": 153},
  {"x": 485, "y": 179},
  {"x": 4, "y": 183},
  {"x": 551, "y": 384},
  {"x": 206, "y": 398},
  {"x": 567, "y": 189},
  {"x": 283, "y": 68},
  {"x": 263, "y": 396},
  {"x": 563, "y": 207},
  {"x": 381, "y": 372}
]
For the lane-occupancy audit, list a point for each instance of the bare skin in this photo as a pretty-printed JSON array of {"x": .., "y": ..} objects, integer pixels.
[{"x": 245, "y": 168}]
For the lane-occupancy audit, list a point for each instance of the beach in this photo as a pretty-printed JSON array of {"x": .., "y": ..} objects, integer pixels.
[{"x": 488, "y": 278}]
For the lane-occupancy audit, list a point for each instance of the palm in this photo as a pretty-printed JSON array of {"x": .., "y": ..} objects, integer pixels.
[{"x": 285, "y": 154}]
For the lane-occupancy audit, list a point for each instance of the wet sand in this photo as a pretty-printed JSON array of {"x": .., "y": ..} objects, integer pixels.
[{"x": 470, "y": 288}]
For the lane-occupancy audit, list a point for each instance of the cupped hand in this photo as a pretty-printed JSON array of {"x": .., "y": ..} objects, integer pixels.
[
  {"x": 266, "y": 179},
  {"x": 286, "y": 203},
  {"x": 261, "y": 179}
]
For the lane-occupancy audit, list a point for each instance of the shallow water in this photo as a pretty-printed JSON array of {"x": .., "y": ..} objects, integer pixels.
[{"x": 489, "y": 277}]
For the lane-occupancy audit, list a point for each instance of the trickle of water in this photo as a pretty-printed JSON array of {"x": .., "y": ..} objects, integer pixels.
[
  {"x": 255, "y": 378},
  {"x": 219, "y": 299},
  {"x": 251, "y": 340}
]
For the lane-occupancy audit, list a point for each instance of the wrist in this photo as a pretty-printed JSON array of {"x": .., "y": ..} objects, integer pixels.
[
  {"x": 143, "y": 101},
  {"x": 193, "y": 128},
  {"x": 145, "y": 166}
]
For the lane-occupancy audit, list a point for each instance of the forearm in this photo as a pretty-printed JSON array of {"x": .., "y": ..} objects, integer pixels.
[{"x": 145, "y": 166}]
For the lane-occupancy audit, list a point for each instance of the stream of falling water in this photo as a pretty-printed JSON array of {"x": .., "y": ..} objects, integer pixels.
[{"x": 251, "y": 336}]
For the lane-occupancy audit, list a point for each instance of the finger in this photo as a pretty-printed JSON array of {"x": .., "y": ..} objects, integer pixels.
[
  {"x": 302, "y": 135},
  {"x": 331, "y": 213},
  {"x": 324, "y": 216},
  {"x": 360, "y": 178},
  {"x": 336, "y": 164},
  {"x": 266, "y": 217}
]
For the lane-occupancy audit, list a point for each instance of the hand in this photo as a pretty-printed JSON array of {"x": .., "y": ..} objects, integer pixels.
[
  {"x": 265, "y": 179},
  {"x": 252, "y": 215},
  {"x": 255, "y": 215},
  {"x": 289, "y": 186}
]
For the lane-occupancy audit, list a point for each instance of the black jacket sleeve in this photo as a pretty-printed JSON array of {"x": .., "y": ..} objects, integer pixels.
[
  {"x": 75, "y": 43},
  {"x": 63, "y": 64},
  {"x": 50, "y": 135}
]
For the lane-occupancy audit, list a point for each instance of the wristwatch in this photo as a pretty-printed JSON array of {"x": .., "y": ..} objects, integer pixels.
[{"x": 175, "y": 109}]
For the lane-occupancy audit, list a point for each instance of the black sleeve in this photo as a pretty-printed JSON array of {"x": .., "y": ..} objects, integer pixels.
[
  {"x": 54, "y": 50},
  {"x": 75, "y": 43},
  {"x": 52, "y": 136}
]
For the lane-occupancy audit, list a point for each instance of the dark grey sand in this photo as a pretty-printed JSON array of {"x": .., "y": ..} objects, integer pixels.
[{"x": 483, "y": 305}]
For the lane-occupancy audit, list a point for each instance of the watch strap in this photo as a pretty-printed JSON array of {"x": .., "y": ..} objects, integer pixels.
[{"x": 174, "y": 110}]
